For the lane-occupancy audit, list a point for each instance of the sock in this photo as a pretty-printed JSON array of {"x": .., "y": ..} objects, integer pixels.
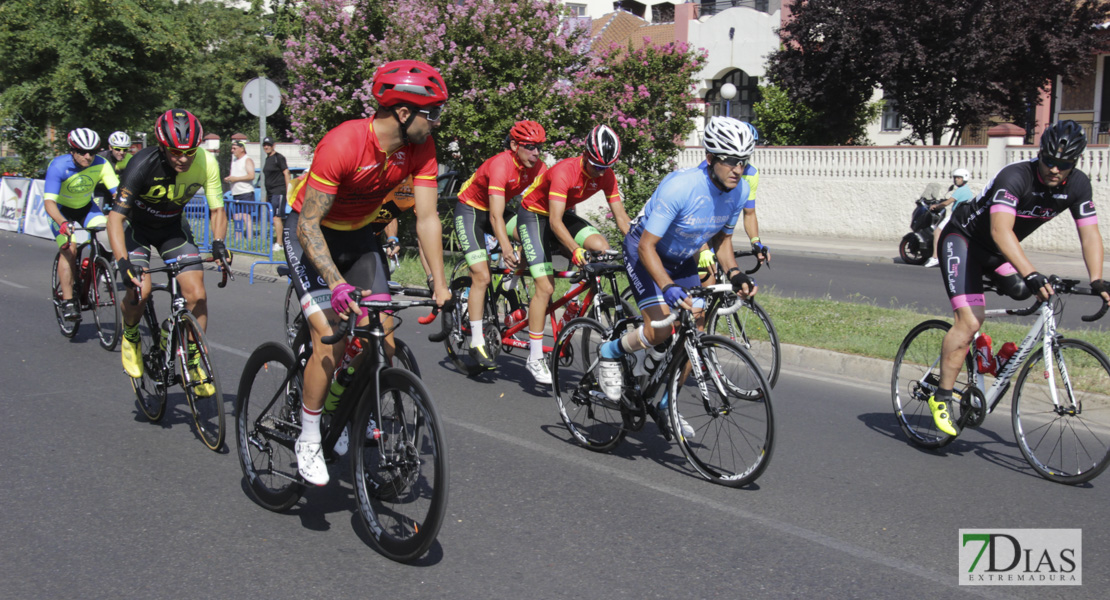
[
  {"x": 131, "y": 332},
  {"x": 943, "y": 395},
  {"x": 535, "y": 345},
  {"x": 611, "y": 349},
  {"x": 310, "y": 425},
  {"x": 476, "y": 338}
]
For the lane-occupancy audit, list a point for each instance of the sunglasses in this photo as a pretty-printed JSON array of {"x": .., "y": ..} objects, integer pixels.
[
  {"x": 733, "y": 161},
  {"x": 1063, "y": 165},
  {"x": 433, "y": 114},
  {"x": 532, "y": 147},
  {"x": 119, "y": 149},
  {"x": 80, "y": 152},
  {"x": 176, "y": 152}
]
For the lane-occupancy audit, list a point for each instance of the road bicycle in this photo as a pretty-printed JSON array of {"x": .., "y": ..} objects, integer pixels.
[
  {"x": 594, "y": 292},
  {"x": 1060, "y": 408},
  {"x": 399, "y": 461},
  {"x": 750, "y": 326},
  {"x": 168, "y": 349},
  {"x": 714, "y": 387},
  {"x": 94, "y": 288}
]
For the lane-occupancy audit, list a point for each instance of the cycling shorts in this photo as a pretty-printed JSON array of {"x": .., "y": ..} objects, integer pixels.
[
  {"x": 358, "y": 255},
  {"x": 171, "y": 242},
  {"x": 88, "y": 215},
  {"x": 277, "y": 203},
  {"x": 963, "y": 265},
  {"x": 539, "y": 242},
  {"x": 644, "y": 288}
]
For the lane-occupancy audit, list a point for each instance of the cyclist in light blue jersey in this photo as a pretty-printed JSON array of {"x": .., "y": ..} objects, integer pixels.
[
  {"x": 67, "y": 198},
  {"x": 688, "y": 209}
]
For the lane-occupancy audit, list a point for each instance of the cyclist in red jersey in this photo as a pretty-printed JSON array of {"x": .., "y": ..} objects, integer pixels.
[
  {"x": 481, "y": 211},
  {"x": 331, "y": 253},
  {"x": 546, "y": 218}
]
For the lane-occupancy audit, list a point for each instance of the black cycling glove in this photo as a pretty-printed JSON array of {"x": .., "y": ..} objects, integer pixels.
[
  {"x": 1035, "y": 281},
  {"x": 129, "y": 271},
  {"x": 1099, "y": 286},
  {"x": 220, "y": 251},
  {"x": 739, "y": 278}
]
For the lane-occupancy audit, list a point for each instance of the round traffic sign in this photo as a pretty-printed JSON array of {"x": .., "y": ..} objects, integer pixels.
[{"x": 261, "y": 96}]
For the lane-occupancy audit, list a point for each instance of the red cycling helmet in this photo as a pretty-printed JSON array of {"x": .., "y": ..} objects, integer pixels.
[
  {"x": 529, "y": 132},
  {"x": 603, "y": 147},
  {"x": 408, "y": 82},
  {"x": 178, "y": 129}
]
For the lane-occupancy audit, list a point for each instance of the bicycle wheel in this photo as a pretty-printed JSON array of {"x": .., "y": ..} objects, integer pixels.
[
  {"x": 102, "y": 298},
  {"x": 595, "y": 422},
  {"x": 607, "y": 310},
  {"x": 404, "y": 358},
  {"x": 201, "y": 382},
  {"x": 292, "y": 310},
  {"x": 753, "y": 329},
  {"x": 915, "y": 379},
  {"x": 728, "y": 404},
  {"x": 1067, "y": 441},
  {"x": 268, "y": 415},
  {"x": 399, "y": 467},
  {"x": 150, "y": 389},
  {"x": 67, "y": 327},
  {"x": 505, "y": 303}
]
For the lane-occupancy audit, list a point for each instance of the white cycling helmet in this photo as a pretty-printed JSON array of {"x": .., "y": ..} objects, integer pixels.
[
  {"x": 962, "y": 173},
  {"x": 119, "y": 139},
  {"x": 728, "y": 136},
  {"x": 83, "y": 139}
]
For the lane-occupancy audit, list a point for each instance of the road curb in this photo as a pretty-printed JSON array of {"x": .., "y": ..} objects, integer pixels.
[{"x": 874, "y": 370}]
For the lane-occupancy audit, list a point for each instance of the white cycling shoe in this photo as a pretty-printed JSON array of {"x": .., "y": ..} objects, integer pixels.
[{"x": 310, "y": 462}]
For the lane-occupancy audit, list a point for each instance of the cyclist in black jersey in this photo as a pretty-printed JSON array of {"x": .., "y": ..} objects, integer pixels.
[
  {"x": 152, "y": 196},
  {"x": 983, "y": 237}
]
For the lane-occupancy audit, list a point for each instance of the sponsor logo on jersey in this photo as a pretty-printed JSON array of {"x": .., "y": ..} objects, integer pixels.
[
  {"x": 1087, "y": 209},
  {"x": 1005, "y": 197},
  {"x": 81, "y": 184}
]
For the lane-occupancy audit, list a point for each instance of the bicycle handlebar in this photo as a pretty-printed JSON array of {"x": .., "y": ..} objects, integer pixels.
[
  {"x": 720, "y": 288},
  {"x": 758, "y": 263},
  {"x": 349, "y": 324},
  {"x": 174, "y": 267},
  {"x": 1062, "y": 286}
]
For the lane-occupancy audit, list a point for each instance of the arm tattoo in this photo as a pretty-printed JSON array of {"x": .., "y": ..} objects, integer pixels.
[{"x": 315, "y": 207}]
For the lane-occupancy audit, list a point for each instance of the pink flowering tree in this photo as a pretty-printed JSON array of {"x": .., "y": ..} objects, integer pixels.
[{"x": 647, "y": 96}]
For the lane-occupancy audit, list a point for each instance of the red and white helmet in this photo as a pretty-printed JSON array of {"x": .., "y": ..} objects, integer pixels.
[
  {"x": 603, "y": 147},
  {"x": 83, "y": 138},
  {"x": 178, "y": 129}
]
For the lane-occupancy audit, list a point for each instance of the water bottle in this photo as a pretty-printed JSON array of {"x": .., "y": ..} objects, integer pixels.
[
  {"x": 570, "y": 311},
  {"x": 515, "y": 317},
  {"x": 1005, "y": 353},
  {"x": 165, "y": 334},
  {"x": 343, "y": 375},
  {"x": 984, "y": 357}
]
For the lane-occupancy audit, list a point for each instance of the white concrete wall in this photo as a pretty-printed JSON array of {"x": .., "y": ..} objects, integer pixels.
[{"x": 751, "y": 43}]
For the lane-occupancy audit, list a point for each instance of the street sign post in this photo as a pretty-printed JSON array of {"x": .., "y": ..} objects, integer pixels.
[{"x": 262, "y": 98}]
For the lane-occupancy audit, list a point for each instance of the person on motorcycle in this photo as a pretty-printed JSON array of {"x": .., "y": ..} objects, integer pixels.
[{"x": 958, "y": 193}]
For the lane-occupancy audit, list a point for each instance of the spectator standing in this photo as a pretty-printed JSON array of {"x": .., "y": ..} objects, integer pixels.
[
  {"x": 242, "y": 188},
  {"x": 275, "y": 178}
]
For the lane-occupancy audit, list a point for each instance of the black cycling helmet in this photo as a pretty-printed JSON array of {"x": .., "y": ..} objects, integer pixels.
[{"x": 1064, "y": 141}]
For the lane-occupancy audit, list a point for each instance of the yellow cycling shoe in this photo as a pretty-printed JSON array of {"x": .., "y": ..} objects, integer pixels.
[
  {"x": 132, "y": 358},
  {"x": 196, "y": 373},
  {"x": 942, "y": 417}
]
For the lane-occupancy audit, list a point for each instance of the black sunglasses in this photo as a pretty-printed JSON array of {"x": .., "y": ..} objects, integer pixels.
[
  {"x": 732, "y": 161},
  {"x": 81, "y": 152},
  {"x": 532, "y": 147},
  {"x": 432, "y": 114},
  {"x": 1063, "y": 165}
]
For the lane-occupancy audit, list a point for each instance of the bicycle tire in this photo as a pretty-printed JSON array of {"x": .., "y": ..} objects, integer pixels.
[
  {"x": 399, "y": 471},
  {"x": 208, "y": 410},
  {"x": 67, "y": 327},
  {"x": 733, "y": 419},
  {"x": 404, "y": 358},
  {"x": 268, "y": 413},
  {"x": 150, "y": 389},
  {"x": 1062, "y": 445},
  {"x": 594, "y": 421},
  {"x": 104, "y": 302},
  {"x": 292, "y": 309},
  {"x": 752, "y": 328},
  {"x": 915, "y": 377}
]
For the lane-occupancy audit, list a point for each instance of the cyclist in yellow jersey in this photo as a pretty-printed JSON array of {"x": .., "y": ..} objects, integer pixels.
[
  {"x": 152, "y": 196},
  {"x": 70, "y": 180}
]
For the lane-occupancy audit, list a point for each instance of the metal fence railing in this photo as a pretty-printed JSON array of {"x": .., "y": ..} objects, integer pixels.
[{"x": 250, "y": 227}]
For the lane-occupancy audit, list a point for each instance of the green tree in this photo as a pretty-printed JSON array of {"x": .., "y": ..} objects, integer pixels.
[
  {"x": 947, "y": 64},
  {"x": 784, "y": 122}
]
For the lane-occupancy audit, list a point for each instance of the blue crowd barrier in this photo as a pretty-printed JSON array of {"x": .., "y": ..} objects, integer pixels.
[{"x": 250, "y": 227}]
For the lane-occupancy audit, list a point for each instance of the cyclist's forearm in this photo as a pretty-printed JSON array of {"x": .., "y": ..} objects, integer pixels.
[
  {"x": 217, "y": 221},
  {"x": 115, "y": 234},
  {"x": 751, "y": 223},
  {"x": 53, "y": 211},
  {"x": 1090, "y": 240},
  {"x": 429, "y": 232},
  {"x": 725, "y": 253},
  {"x": 316, "y": 205}
]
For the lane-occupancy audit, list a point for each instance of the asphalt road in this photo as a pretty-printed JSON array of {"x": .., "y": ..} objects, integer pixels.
[{"x": 100, "y": 503}]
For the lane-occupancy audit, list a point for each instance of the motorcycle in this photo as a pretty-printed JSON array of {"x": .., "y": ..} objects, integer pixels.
[{"x": 917, "y": 245}]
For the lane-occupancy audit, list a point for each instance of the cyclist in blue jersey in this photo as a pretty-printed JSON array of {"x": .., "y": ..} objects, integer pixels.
[
  {"x": 688, "y": 209},
  {"x": 70, "y": 180},
  {"x": 707, "y": 260}
]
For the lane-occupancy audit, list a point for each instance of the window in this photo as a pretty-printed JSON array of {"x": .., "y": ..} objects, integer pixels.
[
  {"x": 740, "y": 107},
  {"x": 662, "y": 13},
  {"x": 577, "y": 10},
  {"x": 631, "y": 6},
  {"x": 892, "y": 121}
]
